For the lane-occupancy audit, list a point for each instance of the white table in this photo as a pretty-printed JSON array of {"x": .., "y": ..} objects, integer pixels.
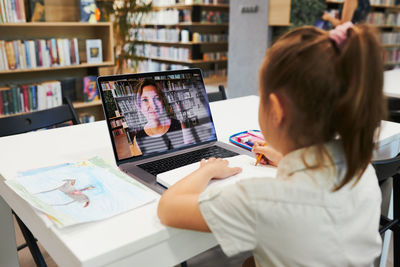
[{"x": 134, "y": 238}]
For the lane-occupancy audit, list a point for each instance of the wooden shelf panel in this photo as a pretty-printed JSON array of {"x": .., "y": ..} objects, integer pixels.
[
  {"x": 189, "y": 24},
  {"x": 183, "y": 6},
  {"x": 79, "y": 105},
  {"x": 279, "y": 13},
  {"x": 80, "y": 66},
  {"x": 183, "y": 43},
  {"x": 391, "y": 45},
  {"x": 387, "y": 27},
  {"x": 186, "y": 62}
]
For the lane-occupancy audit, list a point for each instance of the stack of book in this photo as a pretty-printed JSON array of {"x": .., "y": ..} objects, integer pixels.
[
  {"x": 28, "y": 98},
  {"x": 384, "y": 2},
  {"x": 380, "y": 18},
  {"x": 163, "y": 52},
  {"x": 22, "y": 54},
  {"x": 391, "y": 38}
]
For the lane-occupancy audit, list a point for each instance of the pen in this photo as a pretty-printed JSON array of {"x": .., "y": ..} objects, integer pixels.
[{"x": 260, "y": 155}]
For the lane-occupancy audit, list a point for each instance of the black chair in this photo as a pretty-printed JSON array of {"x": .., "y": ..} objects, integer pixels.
[
  {"x": 217, "y": 96},
  {"x": 393, "y": 105},
  {"x": 39, "y": 119},
  {"x": 384, "y": 170},
  {"x": 30, "y": 122}
]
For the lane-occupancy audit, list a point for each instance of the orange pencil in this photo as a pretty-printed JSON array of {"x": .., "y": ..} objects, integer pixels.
[{"x": 260, "y": 156}]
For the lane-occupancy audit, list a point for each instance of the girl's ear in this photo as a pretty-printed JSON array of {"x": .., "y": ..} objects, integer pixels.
[{"x": 277, "y": 110}]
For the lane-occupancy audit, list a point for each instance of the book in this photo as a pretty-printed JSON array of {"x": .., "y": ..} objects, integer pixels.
[
  {"x": 96, "y": 191},
  {"x": 90, "y": 92},
  {"x": 37, "y": 10},
  {"x": 68, "y": 86},
  {"x": 94, "y": 51},
  {"x": 89, "y": 11}
]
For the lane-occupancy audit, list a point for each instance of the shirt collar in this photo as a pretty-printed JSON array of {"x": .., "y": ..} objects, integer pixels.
[{"x": 301, "y": 159}]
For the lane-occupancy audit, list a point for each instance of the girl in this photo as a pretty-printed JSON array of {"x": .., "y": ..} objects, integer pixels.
[{"x": 321, "y": 103}]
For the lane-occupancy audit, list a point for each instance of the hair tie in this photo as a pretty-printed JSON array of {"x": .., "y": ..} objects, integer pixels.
[{"x": 339, "y": 34}]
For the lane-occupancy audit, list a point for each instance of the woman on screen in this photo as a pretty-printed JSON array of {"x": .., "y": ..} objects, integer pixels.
[{"x": 162, "y": 131}]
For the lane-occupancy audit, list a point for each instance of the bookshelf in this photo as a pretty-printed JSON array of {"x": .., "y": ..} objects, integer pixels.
[
  {"x": 80, "y": 31},
  {"x": 185, "y": 35},
  {"x": 385, "y": 15}
]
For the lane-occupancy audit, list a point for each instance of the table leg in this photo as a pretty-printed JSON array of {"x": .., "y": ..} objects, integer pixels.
[{"x": 8, "y": 244}]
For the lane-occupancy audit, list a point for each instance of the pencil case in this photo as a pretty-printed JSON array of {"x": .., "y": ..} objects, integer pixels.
[{"x": 246, "y": 139}]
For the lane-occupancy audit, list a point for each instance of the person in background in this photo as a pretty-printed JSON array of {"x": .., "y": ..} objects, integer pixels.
[
  {"x": 355, "y": 11},
  {"x": 321, "y": 104}
]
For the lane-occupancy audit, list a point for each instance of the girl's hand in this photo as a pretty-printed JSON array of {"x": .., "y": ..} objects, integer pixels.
[
  {"x": 270, "y": 155},
  {"x": 218, "y": 168}
]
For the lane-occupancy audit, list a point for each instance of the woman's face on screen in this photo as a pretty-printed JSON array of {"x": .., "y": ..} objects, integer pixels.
[{"x": 151, "y": 104}]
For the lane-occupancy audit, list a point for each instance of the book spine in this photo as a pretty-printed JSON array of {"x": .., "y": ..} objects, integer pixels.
[
  {"x": 22, "y": 8},
  {"x": 27, "y": 56},
  {"x": 1, "y": 102},
  {"x": 22, "y": 57},
  {"x": 14, "y": 11},
  {"x": 29, "y": 89},
  {"x": 8, "y": 10},
  {"x": 34, "y": 97},
  {"x": 60, "y": 50},
  {"x": 20, "y": 95},
  {"x": 26, "y": 98},
  {"x": 17, "y": 11},
  {"x": 38, "y": 53},
  {"x": 3, "y": 11},
  {"x": 67, "y": 56},
  {"x": 13, "y": 100},
  {"x": 54, "y": 55},
  {"x": 43, "y": 51},
  {"x": 32, "y": 53},
  {"x": 5, "y": 101},
  {"x": 72, "y": 51},
  {"x": 16, "y": 54},
  {"x": 76, "y": 51}
]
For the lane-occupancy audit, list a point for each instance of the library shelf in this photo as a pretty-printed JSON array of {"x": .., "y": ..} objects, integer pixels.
[{"x": 82, "y": 31}]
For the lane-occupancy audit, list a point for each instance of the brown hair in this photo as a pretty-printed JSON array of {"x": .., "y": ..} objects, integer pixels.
[
  {"x": 150, "y": 82},
  {"x": 332, "y": 91}
]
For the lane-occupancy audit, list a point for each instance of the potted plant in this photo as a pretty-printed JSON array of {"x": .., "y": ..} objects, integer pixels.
[{"x": 125, "y": 15}]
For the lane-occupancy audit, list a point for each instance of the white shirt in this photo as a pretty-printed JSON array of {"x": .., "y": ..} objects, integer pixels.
[{"x": 296, "y": 219}]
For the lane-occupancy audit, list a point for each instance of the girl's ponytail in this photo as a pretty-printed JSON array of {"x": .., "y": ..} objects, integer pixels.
[{"x": 360, "y": 106}]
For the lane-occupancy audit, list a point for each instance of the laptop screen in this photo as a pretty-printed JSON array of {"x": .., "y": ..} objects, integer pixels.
[{"x": 154, "y": 113}]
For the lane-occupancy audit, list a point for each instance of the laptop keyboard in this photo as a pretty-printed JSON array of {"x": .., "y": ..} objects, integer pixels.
[{"x": 163, "y": 165}]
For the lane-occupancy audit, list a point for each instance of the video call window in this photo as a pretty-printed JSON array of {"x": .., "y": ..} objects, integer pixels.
[{"x": 157, "y": 114}]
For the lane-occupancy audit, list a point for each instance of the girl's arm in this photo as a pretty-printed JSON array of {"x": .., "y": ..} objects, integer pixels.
[
  {"x": 335, "y": 22},
  {"x": 349, "y": 7},
  {"x": 178, "y": 206}
]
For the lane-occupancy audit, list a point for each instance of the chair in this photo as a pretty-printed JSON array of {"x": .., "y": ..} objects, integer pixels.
[
  {"x": 39, "y": 119},
  {"x": 217, "y": 96},
  {"x": 29, "y": 122},
  {"x": 384, "y": 170},
  {"x": 393, "y": 105}
]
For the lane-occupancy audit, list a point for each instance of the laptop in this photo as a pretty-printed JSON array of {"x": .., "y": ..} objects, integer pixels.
[{"x": 159, "y": 121}]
